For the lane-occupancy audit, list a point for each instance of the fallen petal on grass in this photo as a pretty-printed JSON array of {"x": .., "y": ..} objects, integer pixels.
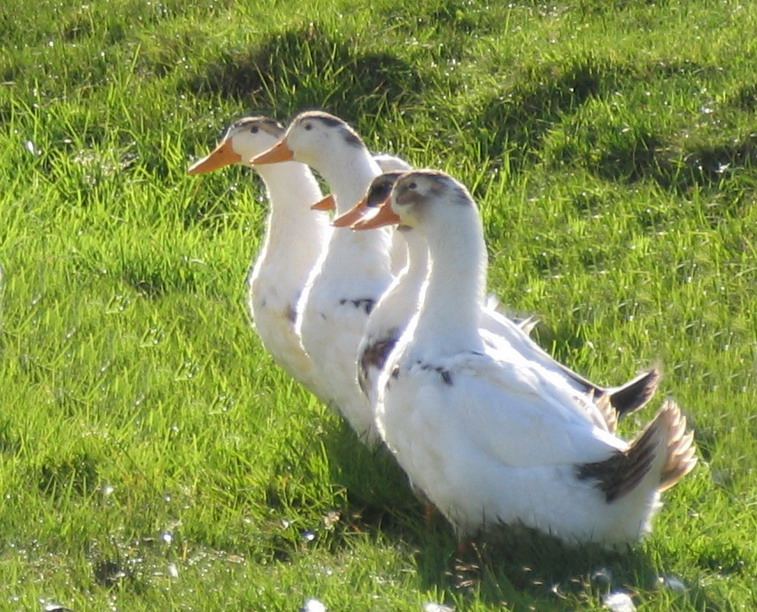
[
  {"x": 435, "y": 607},
  {"x": 313, "y": 605},
  {"x": 618, "y": 602}
]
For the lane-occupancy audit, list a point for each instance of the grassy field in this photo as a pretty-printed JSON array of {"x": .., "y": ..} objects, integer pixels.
[{"x": 154, "y": 458}]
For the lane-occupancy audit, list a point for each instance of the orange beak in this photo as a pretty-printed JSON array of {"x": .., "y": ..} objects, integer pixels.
[
  {"x": 327, "y": 203},
  {"x": 279, "y": 152},
  {"x": 353, "y": 215},
  {"x": 384, "y": 216},
  {"x": 223, "y": 155}
]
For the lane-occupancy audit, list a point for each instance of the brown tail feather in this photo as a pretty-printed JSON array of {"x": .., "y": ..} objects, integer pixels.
[
  {"x": 609, "y": 414},
  {"x": 623, "y": 471},
  {"x": 681, "y": 457}
]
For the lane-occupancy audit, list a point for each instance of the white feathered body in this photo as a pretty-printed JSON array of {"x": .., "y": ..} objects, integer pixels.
[
  {"x": 354, "y": 271},
  {"x": 498, "y": 443},
  {"x": 291, "y": 249},
  {"x": 491, "y": 436},
  {"x": 336, "y": 306}
]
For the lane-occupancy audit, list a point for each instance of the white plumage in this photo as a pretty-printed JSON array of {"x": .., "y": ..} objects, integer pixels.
[
  {"x": 294, "y": 240},
  {"x": 491, "y": 437},
  {"x": 354, "y": 270},
  {"x": 400, "y": 302}
]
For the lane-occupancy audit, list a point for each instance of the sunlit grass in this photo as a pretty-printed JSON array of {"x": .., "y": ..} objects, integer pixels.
[{"x": 153, "y": 457}]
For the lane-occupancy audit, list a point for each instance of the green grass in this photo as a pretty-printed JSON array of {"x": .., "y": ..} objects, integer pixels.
[{"x": 153, "y": 457}]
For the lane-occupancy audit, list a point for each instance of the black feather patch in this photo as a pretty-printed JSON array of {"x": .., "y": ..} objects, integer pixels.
[
  {"x": 445, "y": 374},
  {"x": 366, "y": 303},
  {"x": 374, "y": 355},
  {"x": 622, "y": 471}
]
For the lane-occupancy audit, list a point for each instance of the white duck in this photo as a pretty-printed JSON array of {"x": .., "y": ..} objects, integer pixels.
[
  {"x": 491, "y": 437},
  {"x": 291, "y": 247},
  {"x": 398, "y": 303},
  {"x": 398, "y": 251},
  {"x": 395, "y": 309},
  {"x": 355, "y": 269}
]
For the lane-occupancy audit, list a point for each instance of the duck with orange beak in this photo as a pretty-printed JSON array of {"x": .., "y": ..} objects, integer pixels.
[
  {"x": 401, "y": 302},
  {"x": 295, "y": 237},
  {"x": 493, "y": 438},
  {"x": 355, "y": 269}
]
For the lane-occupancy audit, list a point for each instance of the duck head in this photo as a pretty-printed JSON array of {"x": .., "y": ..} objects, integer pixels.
[
  {"x": 245, "y": 139},
  {"x": 378, "y": 192},
  {"x": 421, "y": 196},
  {"x": 311, "y": 134},
  {"x": 416, "y": 198}
]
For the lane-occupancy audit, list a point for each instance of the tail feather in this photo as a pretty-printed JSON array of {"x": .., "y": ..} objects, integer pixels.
[
  {"x": 681, "y": 451},
  {"x": 609, "y": 414},
  {"x": 636, "y": 393},
  {"x": 622, "y": 472},
  {"x": 624, "y": 399}
]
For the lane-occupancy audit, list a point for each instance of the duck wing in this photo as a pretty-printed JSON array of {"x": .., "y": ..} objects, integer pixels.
[{"x": 523, "y": 415}]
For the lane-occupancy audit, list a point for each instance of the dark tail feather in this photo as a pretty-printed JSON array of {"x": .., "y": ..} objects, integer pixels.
[
  {"x": 624, "y": 399},
  {"x": 636, "y": 393},
  {"x": 622, "y": 472}
]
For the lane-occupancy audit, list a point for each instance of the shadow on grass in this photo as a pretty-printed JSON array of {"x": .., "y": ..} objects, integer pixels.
[
  {"x": 675, "y": 168},
  {"x": 516, "y": 118},
  {"x": 744, "y": 98},
  {"x": 526, "y": 570},
  {"x": 77, "y": 474},
  {"x": 378, "y": 494},
  {"x": 303, "y": 67},
  {"x": 512, "y": 123},
  {"x": 523, "y": 568}
]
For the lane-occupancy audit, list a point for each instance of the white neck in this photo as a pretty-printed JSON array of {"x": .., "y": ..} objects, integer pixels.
[
  {"x": 349, "y": 172},
  {"x": 400, "y": 301},
  {"x": 349, "y": 175},
  {"x": 450, "y": 311},
  {"x": 416, "y": 270},
  {"x": 292, "y": 226}
]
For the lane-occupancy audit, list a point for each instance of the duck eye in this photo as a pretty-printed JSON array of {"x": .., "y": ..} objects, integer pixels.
[
  {"x": 308, "y": 126},
  {"x": 413, "y": 185},
  {"x": 254, "y": 129}
]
